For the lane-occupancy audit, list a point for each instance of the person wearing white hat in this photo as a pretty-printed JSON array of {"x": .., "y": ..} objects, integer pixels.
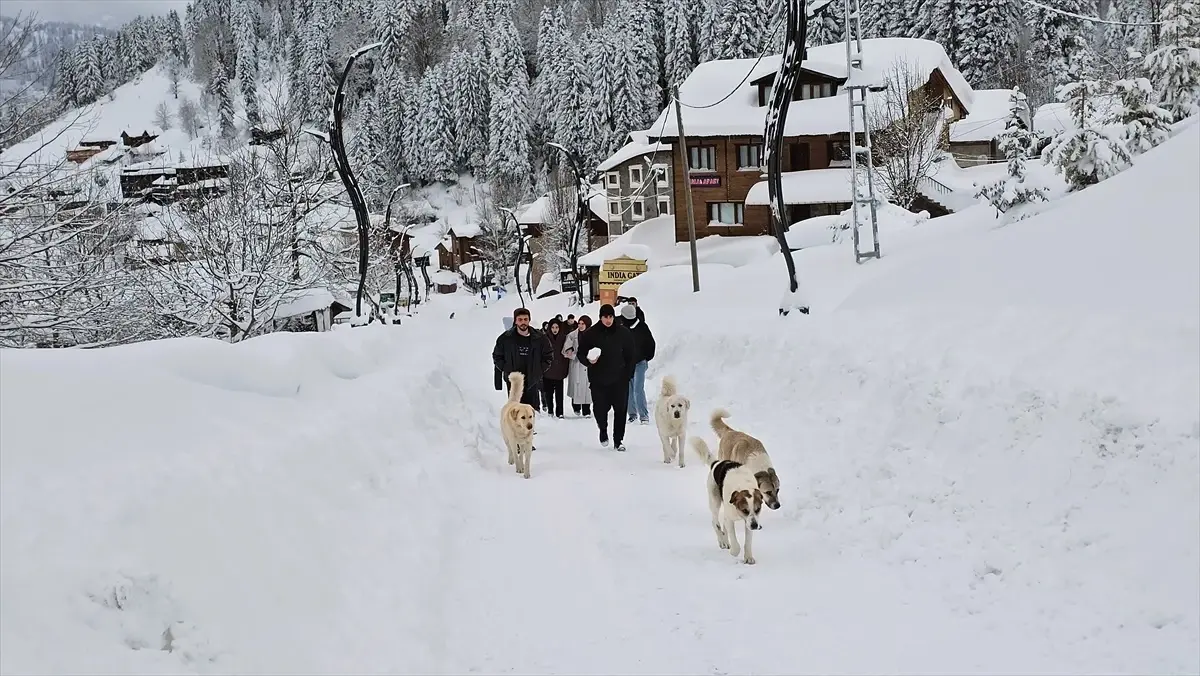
[{"x": 643, "y": 347}]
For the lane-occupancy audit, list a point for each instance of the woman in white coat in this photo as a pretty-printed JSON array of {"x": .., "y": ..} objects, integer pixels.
[{"x": 578, "y": 387}]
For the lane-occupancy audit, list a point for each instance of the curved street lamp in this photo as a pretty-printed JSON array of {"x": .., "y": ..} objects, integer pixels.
[
  {"x": 582, "y": 191},
  {"x": 522, "y": 239},
  {"x": 781, "y": 97}
]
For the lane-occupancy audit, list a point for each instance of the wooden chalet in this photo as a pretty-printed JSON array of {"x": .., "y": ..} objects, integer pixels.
[
  {"x": 726, "y": 165},
  {"x": 136, "y": 141},
  {"x": 87, "y": 149}
]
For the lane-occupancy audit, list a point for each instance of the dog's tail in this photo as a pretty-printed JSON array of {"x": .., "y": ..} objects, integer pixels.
[
  {"x": 516, "y": 387},
  {"x": 717, "y": 421},
  {"x": 701, "y": 449},
  {"x": 668, "y": 386}
]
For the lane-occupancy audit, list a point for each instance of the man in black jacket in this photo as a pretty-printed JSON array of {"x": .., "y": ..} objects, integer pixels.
[
  {"x": 525, "y": 349},
  {"x": 608, "y": 373},
  {"x": 633, "y": 319}
]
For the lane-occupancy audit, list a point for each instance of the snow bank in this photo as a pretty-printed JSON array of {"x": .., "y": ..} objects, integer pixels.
[{"x": 1130, "y": 244}]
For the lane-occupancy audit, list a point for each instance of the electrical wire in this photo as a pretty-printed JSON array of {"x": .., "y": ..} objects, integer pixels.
[
  {"x": 750, "y": 72},
  {"x": 1093, "y": 19}
]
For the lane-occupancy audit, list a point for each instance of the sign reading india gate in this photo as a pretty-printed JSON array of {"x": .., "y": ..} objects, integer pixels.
[{"x": 614, "y": 273}]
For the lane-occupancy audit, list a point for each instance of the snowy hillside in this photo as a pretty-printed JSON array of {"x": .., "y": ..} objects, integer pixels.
[{"x": 988, "y": 442}]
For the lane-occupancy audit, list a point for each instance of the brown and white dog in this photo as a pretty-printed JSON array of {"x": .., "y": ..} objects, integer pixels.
[
  {"x": 516, "y": 425},
  {"x": 733, "y": 496},
  {"x": 671, "y": 418},
  {"x": 745, "y": 449}
]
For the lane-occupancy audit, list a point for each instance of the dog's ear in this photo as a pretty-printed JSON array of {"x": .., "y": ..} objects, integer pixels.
[
  {"x": 514, "y": 412},
  {"x": 758, "y": 500},
  {"x": 774, "y": 476},
  {"x": 741, "y": 500},
  {"x": 763, "y": 477},
  {"x": 687, "y": 403}
]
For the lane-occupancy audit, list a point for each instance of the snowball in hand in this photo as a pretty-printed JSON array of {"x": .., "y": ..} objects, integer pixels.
[{"x": 593, "y": 354}]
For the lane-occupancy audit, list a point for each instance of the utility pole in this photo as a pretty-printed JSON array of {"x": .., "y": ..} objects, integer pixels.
[{"x": 687, "y": 188}]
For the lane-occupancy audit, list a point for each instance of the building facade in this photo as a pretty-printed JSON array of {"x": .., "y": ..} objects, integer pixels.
[{"x": 637, "y": 183}]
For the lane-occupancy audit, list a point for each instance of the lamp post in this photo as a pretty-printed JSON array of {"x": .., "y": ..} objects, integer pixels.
[
  {"x": 521, "y": 241},
  {"x": 781, "y": 97},
  {"x": 397, "y": 250},
  {"x": 582, "y": 191}
]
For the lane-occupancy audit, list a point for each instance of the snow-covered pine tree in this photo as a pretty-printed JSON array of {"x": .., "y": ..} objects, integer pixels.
[
  {"x": 508, "y": 114},
  {"x": 396, "y": 23},
  {"x": 580, "y": 104},
  {"x": 1054, "y": 38},
  {"x": 89, "y": 77},
  {"x": 244, "y": 22},
  {"x": 219, "y": 91},
  {"x": 825, "y": 24},
  {"x": 988, "y": 41},
  {"x": 680, "y": 55},
  {"x": 1118, "y": 38},
  {"x": 366, "y": 150},
  {"x": 435, "y": 120},
  {"x": 1174, "y": 68},
  {"x": 1090, "y": 152},
  {"x": 1016, "y": 142},
  {"x": 316, "y": 59},
  {"x": 548, "y": 84},
  {"x": 1145, "y": 124},
  {"x": 735, "y": 33},
  {"x": 66, "y": 79},
  {"x": 175, "y": 42}
]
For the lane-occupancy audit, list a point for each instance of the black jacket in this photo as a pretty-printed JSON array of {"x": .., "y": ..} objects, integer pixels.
[
  {"x": 643, "y": 340},
  {"x": 506, "y": 360},
  {"x": 617, "y": 353}
]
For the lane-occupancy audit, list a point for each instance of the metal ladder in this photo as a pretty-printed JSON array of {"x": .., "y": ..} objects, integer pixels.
[{"x": 861, "y": 176}]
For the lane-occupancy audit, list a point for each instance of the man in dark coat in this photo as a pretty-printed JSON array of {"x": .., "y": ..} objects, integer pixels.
[
  {"x": 608, "y": 373},
  {"x": 633, "y": 319},
  {"x": 525, "y": 349}
]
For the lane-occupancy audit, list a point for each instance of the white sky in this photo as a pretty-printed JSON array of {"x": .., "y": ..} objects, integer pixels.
[{"x": 110, "y": 13}]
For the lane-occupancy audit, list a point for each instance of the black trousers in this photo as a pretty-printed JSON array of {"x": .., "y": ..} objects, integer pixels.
[
  {"x": 530, "y": 396},
  {"x": 614, "y": 396},
  {"x": 554, "y": 396},
  {"x": 581, "y": 409}
]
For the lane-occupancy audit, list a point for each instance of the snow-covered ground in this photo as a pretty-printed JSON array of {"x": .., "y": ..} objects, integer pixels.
[{"x": 988, "y": 442}]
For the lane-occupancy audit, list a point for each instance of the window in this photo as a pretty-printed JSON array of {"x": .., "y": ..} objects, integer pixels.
[
  {"x": 664, "y": 207},
  {"x": 839, "y": 153},
  {"x": 726, "y": 213},
  {"x": 765, "y": 92},
  {"x": 614, "y": 209},
  {"x": 635, "y": 177},
  {"x": 820, "y": 90},
  {"x": 614, "y": 180},
  {"x": 749, "y": 157},
  {"x": 829, "y": 209},
  {"x": 661, "y": 176},
  {"x": 639, "y": 210},
  {"x": 702, "y": 158}
]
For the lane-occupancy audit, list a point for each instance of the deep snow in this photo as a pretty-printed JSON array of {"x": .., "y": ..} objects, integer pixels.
[{"x": 1007, "y": 485}]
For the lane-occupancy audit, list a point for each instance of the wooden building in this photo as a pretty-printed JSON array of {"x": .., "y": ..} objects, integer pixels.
[
  {"x": 726, "y": 164},
  {"x": 139, "y": 140}
]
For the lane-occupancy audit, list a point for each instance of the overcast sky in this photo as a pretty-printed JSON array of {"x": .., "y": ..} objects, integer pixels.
[{"x": 111, "y": 13}]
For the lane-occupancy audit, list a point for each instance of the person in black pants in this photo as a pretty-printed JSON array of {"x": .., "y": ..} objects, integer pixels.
[
  {"x": 559, "y": 367},
  {"x": 609, "y": 373},
  {"x": 525, "y": 349}
]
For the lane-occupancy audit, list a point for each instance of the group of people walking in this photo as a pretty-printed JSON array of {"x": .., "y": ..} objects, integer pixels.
[{"x": 603, "y": 366}]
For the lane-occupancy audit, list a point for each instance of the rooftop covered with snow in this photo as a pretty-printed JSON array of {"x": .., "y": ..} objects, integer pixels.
[
  {"x": 638, "y": 146},
  {"x": 987, "y": 118},
  {"x": 816, "y": 186},
  {"x": 740, "y": 114}
]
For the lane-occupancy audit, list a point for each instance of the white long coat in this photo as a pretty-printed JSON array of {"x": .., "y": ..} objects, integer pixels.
[{"x": 578, "y": 388}]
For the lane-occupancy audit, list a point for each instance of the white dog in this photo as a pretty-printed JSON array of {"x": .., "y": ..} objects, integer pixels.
[
  {"x": 671, "y": 417},
  {"x": 516, "y": 425},
  {"x": 733, "y": 496}
]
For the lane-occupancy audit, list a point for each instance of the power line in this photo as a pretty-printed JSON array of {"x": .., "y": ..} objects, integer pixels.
[
  {"x": 739, "y": 85},
  {"x": 1093, "y": 19}
]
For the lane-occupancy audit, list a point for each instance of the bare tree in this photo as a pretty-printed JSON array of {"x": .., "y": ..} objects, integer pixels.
[
  {"x": 238, "y": 267},
  {"x": 498, "y": 237},
  {"x": 162, "y": 116},
  {"x": 906, "y": 120},
  {"x": 560, "y": 220},
  {"x": 62, "y": 281},
  {"x": 190, "y": 119}
]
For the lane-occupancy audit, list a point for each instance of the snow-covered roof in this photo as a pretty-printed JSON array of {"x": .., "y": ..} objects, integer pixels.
[
  {"x": 740, "y": 114},
  {"x": 638, "y": 146},
  {"x": 639, "y": 242},
  {"x": 303, "y": 302},
  {"x": 987, "y": 118},
  {"x": 471, "y": 229},
  {"x": 444, "y": 277},
  {"x": 204, "y": 161},
  {"x": 817, "y": 186},
  {"x": 535, "y": 213}
]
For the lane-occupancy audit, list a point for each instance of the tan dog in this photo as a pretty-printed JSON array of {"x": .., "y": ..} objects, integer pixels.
[
  {"x": 745, "y": 449},
  {"x": 732, "y": 496},
  {"x": 516, "y": 425},
  {"x": 671, "y": 418}
]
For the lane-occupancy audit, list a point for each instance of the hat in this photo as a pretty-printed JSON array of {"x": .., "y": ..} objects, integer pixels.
[
  {"x": 628, "y": 312},
  {"x": 607, "y": 311}
]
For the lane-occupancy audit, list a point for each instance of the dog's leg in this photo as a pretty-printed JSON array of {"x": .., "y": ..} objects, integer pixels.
[
  {"x": 722, "y": 541},
  {"x": 679, "y": 443},
  {"x": 749, "y": 555},
  {"x": 666, "y": 446},
  {"x": 512, "y": 456},
  {"x": 731, "y": 533},
  {"x": 528, "y": 459},
  {"x": 520, "y": 453}
]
